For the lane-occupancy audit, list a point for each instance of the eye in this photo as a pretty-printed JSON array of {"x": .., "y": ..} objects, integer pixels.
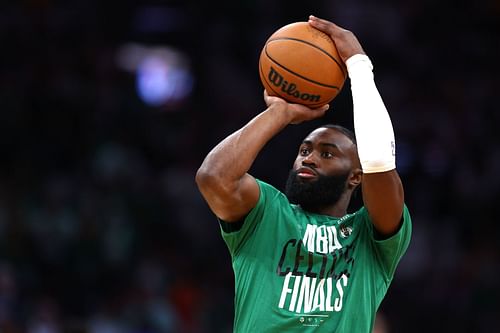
[
  {"x": 327, "y": 154},
  {"x": 304, "y": 151}
]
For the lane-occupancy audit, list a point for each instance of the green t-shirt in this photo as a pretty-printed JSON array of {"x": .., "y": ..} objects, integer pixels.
[{"x": 301, "y": 272}]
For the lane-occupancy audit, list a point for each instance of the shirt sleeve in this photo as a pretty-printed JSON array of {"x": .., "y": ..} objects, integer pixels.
[
  {"x": 390, "y": 251},
  {"x": 235, "y": 238}
]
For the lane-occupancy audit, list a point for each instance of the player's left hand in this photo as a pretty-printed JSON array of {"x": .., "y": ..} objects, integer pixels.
[{"x": 346, "y": 42}]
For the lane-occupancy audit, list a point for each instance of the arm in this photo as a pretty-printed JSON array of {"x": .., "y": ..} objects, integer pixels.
[
  {"x": 383, "y": 194},
  {"x": 223, "y": 179}
]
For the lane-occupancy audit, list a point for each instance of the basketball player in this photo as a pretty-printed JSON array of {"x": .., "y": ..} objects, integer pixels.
[{"x": 302, "y": 263}]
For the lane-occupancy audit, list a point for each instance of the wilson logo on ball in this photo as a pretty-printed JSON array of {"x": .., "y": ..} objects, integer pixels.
[{"x": 289, "y": 88}]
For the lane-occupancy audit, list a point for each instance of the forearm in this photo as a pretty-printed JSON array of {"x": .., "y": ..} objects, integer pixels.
[
  {"x": 372, "y": 124},
  {"x": 223, "y": 179},
  {"x": 382, "y": 189}
]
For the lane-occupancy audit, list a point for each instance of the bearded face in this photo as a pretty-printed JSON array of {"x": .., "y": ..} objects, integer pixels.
[{"x": 313, "y": 194}]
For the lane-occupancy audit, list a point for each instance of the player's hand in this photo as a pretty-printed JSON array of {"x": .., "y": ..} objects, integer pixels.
[
  {"x": 346, "y": 42},
  {"x": 297, "y": 113}
]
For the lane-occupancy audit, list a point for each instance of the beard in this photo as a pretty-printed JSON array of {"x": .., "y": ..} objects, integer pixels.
[{"x": 316, "y": 194}]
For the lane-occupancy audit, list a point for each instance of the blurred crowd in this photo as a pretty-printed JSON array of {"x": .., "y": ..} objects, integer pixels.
[{"x": 102, "y": 229}]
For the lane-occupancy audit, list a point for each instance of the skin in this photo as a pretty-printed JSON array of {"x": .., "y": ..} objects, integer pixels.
[
  {"x": 326, "y": 151},
  {"x": 231, "y": 192}
]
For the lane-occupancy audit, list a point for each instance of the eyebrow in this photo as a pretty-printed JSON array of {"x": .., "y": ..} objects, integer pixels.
[{"x": 328, "y": 144}]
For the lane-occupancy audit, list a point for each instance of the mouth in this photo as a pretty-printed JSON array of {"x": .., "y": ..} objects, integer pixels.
[{"x": 306, "y": 173}]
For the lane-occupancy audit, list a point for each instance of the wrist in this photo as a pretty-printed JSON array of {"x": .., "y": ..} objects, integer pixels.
[
  {"x": 358, "y": 63},
  {"x": 280, "y": 113}
]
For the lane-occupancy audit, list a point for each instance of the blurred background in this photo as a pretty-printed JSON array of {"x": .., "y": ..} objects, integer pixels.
[{"x": 108, "y": 109}]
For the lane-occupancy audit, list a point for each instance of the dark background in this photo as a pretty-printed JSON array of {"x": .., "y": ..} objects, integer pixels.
[{"x": 102, "y": 229}]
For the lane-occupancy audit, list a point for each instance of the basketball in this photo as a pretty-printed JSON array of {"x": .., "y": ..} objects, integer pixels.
[{"x": 301, "y": 65}]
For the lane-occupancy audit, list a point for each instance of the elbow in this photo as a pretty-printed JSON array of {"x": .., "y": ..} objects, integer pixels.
[
  {"x": 207, "y": 177},
  {"x": 203, "y": 177},
  {"x": 211, "y": 181}
]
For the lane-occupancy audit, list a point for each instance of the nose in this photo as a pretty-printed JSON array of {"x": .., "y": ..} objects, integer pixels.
[{"x": 309, "y": 160}]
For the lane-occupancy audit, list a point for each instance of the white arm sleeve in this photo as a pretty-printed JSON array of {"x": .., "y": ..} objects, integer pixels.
[{"x": 372, "y": 124}]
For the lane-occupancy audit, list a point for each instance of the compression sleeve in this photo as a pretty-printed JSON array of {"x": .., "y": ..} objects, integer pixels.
[{"x": 372, "y": 124}]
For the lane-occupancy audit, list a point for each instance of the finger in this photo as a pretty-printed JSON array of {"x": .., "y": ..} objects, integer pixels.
[
  {"x": 323, "y": 108},
  {"x": 324, "y": 25},
  {"x": 322, "y": 22},
  {"x": 320, "y": 112}
]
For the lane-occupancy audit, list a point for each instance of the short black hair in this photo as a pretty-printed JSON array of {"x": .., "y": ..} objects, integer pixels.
[{"x": 347, "y": 132}]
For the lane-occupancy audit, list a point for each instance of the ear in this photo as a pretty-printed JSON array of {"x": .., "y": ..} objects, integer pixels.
[{"x": 355, "y": 178}]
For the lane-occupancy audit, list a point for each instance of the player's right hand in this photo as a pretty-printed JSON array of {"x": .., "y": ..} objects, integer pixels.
[{"x": 297, "y": 113}]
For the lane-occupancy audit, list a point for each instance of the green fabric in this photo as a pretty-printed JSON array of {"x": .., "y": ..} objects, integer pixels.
[{"x": 302, "y": 272}]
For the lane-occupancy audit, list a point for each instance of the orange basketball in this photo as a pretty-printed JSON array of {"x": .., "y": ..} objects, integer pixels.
[{"x": 302, "y": 65}]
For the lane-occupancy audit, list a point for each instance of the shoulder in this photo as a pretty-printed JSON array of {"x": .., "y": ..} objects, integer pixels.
[
  {"x": 270, "y": 194},
  {"x": 267, "y": 187}
]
